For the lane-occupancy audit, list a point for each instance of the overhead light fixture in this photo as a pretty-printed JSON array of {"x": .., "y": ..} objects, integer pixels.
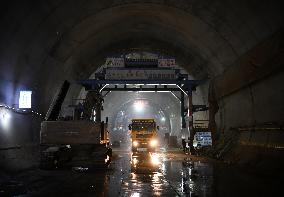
[
  {"x": 175, "y": 96},
  {"x": 103, "y": 87},
  {"x": 182, "y": 90}
]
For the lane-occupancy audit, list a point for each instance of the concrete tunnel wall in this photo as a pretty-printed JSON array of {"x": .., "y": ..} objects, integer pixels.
[{"x": 44, "y": 43}]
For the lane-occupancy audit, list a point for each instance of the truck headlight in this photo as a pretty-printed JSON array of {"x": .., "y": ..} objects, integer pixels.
[
  {"x": 135, "y": 143},
  {"x": 155, "y": 159},
  {"x": 154, "y": 143}
]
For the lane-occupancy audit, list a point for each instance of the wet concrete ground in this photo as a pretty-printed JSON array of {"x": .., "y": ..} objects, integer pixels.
[{"x": 163, "y": 174}]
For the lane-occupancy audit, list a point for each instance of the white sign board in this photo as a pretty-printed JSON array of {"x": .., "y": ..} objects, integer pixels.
[
  {"x": 137, "y": 74},
  {"x": 114, "y": 62},
  {"x": 25, "y": 99},
  {"x": 166, "y": 63},
  {"x": 203, "y": 138}
]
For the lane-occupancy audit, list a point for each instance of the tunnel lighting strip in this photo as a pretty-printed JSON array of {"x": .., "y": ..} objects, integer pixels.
[
  {"x": 103, "y": 87},
  {"x": 23, "y": 111},
  {"x": 182, "y": 90},
  {"x": 175, "y": 97},
  {"x": 150, "y": 91},
  {"x": 157, "y": 84}
]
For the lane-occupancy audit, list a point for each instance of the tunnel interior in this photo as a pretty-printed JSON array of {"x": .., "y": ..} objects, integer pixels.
[
  {"x": 120, "y": 107},
  {"x": 135, "y": 109},
  {"x": 234, "y": 47}
]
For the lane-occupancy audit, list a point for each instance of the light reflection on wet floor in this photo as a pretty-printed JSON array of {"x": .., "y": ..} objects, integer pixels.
[
  {"x": 173, "y": 176},
  {"x": 168, "y": 178}
]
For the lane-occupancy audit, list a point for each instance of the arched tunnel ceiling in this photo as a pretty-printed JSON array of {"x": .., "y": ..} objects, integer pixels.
[
  {"x": 57, "y": 40},
  {"x": 144, "y": 22}
]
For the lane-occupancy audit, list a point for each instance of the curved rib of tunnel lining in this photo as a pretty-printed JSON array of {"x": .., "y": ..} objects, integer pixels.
[
  {"x": 183, "y": 34},
  {"x": 153, "y": 23},
  {"x": 53, "y": 42},
  {"x": 189, "y": 20}
]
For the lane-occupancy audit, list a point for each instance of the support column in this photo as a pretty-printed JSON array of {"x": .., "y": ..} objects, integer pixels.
[
  {"x": 190, "y": 122},
  {"x": 184, "y": 133},
  {"x": 183, "y": 125}
]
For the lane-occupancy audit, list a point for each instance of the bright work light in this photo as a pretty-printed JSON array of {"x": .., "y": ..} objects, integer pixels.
[
  {"x": 135, "y": 143},
  {"x": 139, "y": 105},
  {"x": 154, "y": 143}
]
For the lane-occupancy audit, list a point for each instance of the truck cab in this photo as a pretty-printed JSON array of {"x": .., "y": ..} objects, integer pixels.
[{"x": 144, "y": 135}]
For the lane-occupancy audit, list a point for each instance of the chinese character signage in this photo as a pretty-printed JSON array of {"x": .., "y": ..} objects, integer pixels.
[
  {"x": 204, "y": 138},
  {"x": 137, "y": 74},
  {"x": 115, "y": 62},
  {"x": 166, "y": 63}
]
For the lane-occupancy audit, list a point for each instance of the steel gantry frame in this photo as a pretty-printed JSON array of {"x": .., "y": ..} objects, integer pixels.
[{"x": 182, "y": 84}]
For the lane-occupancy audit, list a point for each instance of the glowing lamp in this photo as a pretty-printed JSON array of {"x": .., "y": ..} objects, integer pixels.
[
  {"x": 135, "y": 143},
  {"x": 154, "y": 143}
]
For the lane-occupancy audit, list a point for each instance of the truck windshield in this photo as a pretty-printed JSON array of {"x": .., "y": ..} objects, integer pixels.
[
  {"x": 143, "y": 127},
  {"x": 144, "y": 136}
]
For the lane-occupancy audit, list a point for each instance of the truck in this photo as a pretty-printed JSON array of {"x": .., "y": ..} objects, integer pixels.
[
  {"x": 73, "y": 142},
  {"x": 144, "y": 135}
]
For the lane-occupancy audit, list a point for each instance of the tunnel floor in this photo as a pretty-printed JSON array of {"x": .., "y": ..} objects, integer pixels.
[{"x": 175, "y": 174}]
